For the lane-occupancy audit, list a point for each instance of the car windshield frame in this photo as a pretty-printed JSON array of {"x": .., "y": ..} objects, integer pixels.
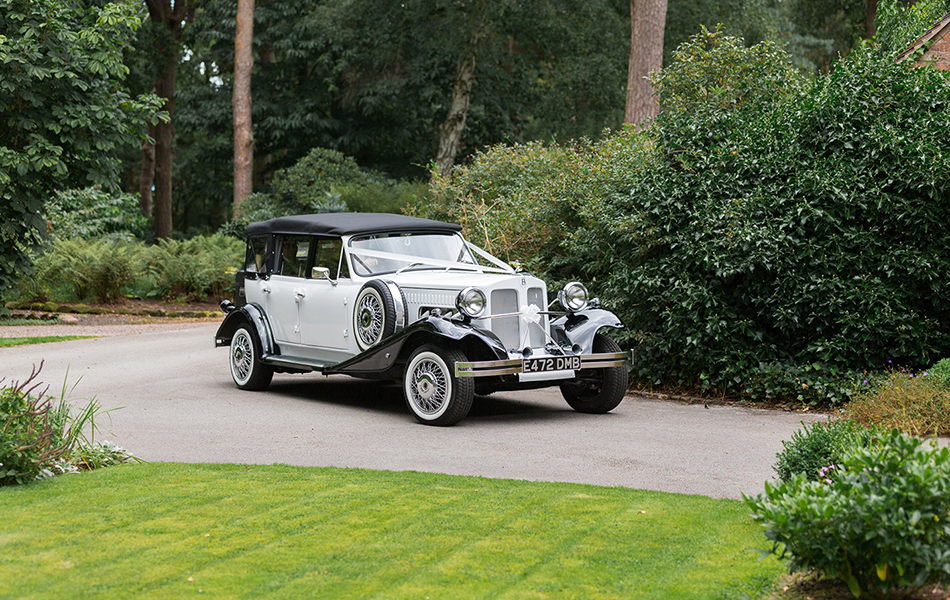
[{"x": 396, "y": 252}]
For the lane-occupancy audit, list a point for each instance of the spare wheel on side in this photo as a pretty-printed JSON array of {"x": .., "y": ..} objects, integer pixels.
[{"x": 381, "y": 310}]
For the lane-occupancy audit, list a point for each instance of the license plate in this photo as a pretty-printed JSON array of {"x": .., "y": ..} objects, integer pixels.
[{"x": 551, "y": 363}]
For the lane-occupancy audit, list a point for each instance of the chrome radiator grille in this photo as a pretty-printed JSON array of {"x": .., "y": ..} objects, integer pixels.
[{"x": 512, "y": 330}]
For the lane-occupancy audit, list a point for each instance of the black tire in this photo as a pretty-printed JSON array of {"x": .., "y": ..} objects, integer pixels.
[
  {"x": 433, "y": 393},
  {"x": 245, "y": 359},
  {"x": 375, "y": 316},
  {"x": 597, "y": 391}
]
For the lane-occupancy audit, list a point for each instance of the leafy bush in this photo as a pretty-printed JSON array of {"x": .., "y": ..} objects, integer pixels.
[
  {"x": 817, "y": 447},
  {"x": 26, "y": 432},
  {"x": 940, "y": 372},
  {"x": 386, "y": 196},
  {"x": 769, "y": 236},
  {"x": 899, "y": 24},
  {"x": 98, "y": 269},
  {"x": 880, "y": 521},
  {"x": 308, "y": 182},
  {"x": 713, "y": 74},
  {"x": 191, "y": 269},
  {"x": 78, "y": 269},
  {"x": 40, "y": 438},
  {"x": 325, "y": 181},
  {"x": 914, "y": 403},
  {"x": 91, "y": 213},
  {"x": 523, "y": 202},
  {"x": 806, "y": 231}
]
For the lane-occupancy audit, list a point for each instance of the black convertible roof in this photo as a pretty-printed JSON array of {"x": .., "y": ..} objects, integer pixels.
[{"x": 348, "y": 224}]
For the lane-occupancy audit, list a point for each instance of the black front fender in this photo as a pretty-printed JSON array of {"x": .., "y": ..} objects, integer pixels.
[
  {"x": 429, "y": 329},
  {"x": 579, "y": 328}
]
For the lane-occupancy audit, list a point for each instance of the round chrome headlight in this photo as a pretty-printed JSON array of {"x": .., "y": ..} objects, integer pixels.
[
  {"x": 573, "y": 297},
  {"x": 471, "y": 302}
]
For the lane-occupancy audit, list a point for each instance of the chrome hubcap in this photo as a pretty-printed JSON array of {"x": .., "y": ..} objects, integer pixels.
[{"x": 426, "y": 386}]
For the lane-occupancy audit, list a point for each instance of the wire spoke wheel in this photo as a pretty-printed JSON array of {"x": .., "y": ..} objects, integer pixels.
[
  {"x": 433, "y": 393},
  {"x": 370, "y": 319},
  {"x": 429, "y": 386},
  {"x": 377, "y": 313},
  {"x": 242, "y": 356},
  {"x": 247, "y": 370}
]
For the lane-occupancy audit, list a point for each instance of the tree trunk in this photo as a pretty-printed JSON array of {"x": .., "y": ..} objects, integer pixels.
[
  {"x": 241, "y": 100},
  {"x": 647, "y": 25},
  {"x": 147, "y": 179},
  {"x": 164, "y": 149},
  {"x": 872, "y": 17},
  {"x": 451, "y": 130},
  {"x": 171, "y": 16}
]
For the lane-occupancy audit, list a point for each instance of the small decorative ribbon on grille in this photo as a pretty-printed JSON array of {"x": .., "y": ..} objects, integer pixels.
[{"x": 530, "y": 313}]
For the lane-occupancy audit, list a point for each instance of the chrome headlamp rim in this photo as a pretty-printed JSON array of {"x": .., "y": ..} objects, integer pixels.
[
  {"x": 574, "y": 297},
  {"x": 471, "y": 302}
]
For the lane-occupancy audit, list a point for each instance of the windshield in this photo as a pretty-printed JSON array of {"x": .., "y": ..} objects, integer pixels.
[{"x": 388, "y": 253}]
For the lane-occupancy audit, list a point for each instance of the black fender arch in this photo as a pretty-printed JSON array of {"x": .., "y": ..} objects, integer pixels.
[
  {"x": 438, "y": 330},
  {"x": 250, "y": 314}
]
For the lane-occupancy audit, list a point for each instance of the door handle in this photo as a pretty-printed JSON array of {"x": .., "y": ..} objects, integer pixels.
[{"x": 300, "y": 293}]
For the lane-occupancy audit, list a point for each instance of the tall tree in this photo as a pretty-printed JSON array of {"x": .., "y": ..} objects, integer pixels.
[
  {"x": 451, "y": 130},
  {"x": 169, "y": 17},
  {"x": 243, "y": 136},
  {"x": 375, "y": 80},
  {"x": 65, "y": 112},
  {"x": 647, "y": 25}
]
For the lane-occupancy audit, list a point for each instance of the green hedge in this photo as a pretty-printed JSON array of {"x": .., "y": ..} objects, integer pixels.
[
  {"x": 768, "y": 236},
  {"x": 778, "y": 249}
]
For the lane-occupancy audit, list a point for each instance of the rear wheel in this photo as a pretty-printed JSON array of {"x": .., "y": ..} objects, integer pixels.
[
  {"x": 597, "y": 391},
  {"x": 434, "y": 395},
  {"x": 246, "y": 368}
]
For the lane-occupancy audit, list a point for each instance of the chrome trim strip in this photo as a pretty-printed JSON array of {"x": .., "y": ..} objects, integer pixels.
[
  {"x": 298, "y": 363},
  {"x": 488, "y": 368},
  {"x": 400, "y": 322}
]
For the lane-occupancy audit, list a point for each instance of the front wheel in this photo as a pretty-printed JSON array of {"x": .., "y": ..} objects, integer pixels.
[
  {"x": 597, "y": 391},
  {"x": 247, "y": 370},
  {"x": 434, "y": 395}
]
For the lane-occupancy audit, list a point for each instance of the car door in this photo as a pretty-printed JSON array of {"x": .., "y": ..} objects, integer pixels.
[
  {"x": 327, "y": 300},
  {"x": 284, "y": 290}
]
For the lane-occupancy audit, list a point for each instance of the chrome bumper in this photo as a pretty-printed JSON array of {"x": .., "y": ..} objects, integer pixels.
[{"x": 488, "y": 368}]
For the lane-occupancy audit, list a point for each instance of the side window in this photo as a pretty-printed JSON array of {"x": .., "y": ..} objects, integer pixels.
[
  {"x": 294, "y": 250},
  {"x": 327, "y": 255},
  {"x": 255, "y": 258}
]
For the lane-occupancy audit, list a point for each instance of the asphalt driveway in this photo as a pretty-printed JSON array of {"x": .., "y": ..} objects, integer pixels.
[{"x": 179, "y": 404}]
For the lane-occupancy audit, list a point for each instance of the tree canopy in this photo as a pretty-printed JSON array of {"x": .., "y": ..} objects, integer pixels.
[{"x": 64, "y": 110}]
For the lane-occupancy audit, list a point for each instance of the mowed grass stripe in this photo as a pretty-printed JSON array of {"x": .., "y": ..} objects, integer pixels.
[
  {"x": 43, "y": 339},
  {"x": 141, "y": 531}
]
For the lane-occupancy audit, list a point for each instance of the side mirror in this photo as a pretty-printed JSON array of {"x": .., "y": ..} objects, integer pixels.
[{"x": 321, "y": 273}]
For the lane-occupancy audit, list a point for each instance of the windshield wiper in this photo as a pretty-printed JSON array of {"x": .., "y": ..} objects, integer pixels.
[{"x": 409, "y": 266}]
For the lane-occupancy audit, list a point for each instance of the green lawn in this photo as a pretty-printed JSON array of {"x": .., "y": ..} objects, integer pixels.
[
  {"x": 230, "y": 531},
  {"x": 23, "y": 341}
]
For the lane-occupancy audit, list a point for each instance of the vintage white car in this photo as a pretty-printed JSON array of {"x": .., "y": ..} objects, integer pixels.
[{"x": 399, "y": 298}]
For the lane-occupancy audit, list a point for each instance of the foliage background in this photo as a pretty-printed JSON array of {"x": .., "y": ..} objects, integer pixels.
[
  {"x": 770, "y": 236},
  {"x": 65, "y": 111}
]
